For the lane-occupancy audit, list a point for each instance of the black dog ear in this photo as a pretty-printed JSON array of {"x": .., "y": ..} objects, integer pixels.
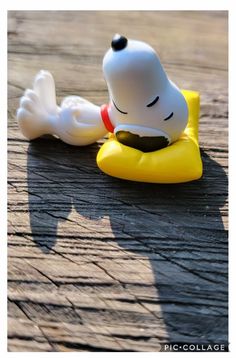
[{"x": 118, "y": 42}]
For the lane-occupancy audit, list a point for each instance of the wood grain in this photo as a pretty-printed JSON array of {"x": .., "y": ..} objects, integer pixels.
[{"x": 97, "y": 263}]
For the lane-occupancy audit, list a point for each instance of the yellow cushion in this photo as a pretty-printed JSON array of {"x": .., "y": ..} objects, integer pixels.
[{"x": 180, "y": 162}]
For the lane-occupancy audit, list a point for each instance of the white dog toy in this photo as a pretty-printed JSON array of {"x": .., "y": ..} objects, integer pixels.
[
  {"x": 146, "y": 111},
  {"x": 153, "y": 125}
]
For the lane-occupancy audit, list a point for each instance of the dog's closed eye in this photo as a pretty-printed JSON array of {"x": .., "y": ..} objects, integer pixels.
[
  {"x": 119, "y": 109},
  {"x": 153, "y": 102},
  {"x": 169, "y": 117}
]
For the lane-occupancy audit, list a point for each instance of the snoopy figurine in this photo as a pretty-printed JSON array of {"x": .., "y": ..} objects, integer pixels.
[{"x": 147, "y": 112}]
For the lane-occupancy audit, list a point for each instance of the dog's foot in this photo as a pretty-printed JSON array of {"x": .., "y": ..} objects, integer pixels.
[
  {"x": 44, "y": 87},
  {"x": 37, "y": 105}
]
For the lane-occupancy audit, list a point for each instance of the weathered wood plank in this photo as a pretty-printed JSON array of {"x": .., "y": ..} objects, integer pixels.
[{"x": 97, "y": 263}]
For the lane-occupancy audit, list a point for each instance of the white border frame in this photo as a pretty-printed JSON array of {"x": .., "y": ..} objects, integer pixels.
[{"x": 107, "y": 5}]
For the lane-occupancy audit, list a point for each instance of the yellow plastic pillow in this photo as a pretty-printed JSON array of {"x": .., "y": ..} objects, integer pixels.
[{"x": 178, "y": 163}]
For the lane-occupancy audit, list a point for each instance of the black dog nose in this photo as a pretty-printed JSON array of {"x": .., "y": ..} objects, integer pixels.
[{"x": 118, "y": 42}]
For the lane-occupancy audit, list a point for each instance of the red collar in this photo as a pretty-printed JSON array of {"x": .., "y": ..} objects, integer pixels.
[{"x": 106, "y": 119}]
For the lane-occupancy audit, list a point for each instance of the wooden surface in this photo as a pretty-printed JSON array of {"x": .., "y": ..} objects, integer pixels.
[{"x": 97, "y": 263}]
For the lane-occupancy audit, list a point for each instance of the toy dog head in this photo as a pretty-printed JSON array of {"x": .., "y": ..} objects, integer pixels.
[{"x": 147, "y": 109}]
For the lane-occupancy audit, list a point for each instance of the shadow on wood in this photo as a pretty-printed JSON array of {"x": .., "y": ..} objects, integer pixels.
[{"x": 178, "y": 228}]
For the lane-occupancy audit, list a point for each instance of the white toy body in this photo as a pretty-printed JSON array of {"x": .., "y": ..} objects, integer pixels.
[{"x": 144, "y": 103}]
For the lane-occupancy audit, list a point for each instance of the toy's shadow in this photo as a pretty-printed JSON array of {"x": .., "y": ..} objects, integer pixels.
[{"x": 176, "y": 225}]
